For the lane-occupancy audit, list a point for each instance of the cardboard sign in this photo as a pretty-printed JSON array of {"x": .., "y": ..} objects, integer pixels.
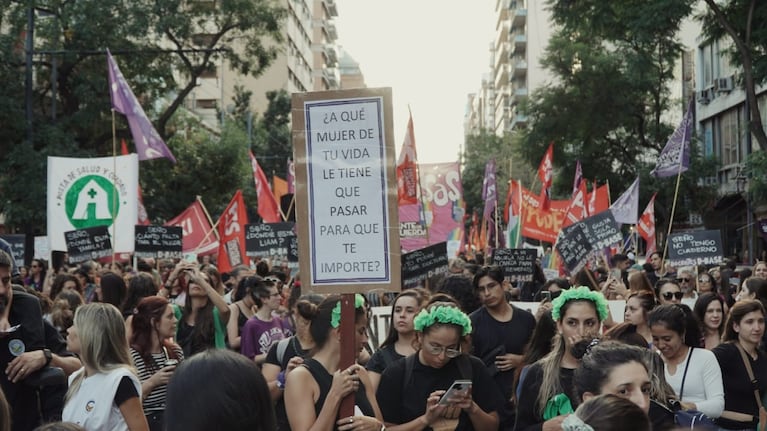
[
  {"x": 518, "y": 264},
  {"x": 163, "y": 242},
  {"x": 592, "y": 234},
  {"x": 346, "y": 197},
  {"x": 701, "y": 247},
  {"x": 88, "y": 244},
  {"x": 271, "y": 240},
  {"x": 17, "y": 248},
  {"x": 418, "y": 266}
]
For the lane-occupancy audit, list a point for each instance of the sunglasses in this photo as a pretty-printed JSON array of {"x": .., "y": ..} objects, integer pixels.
[
  {"x": 669, "y": 295},
  {"x": 683, "y": 279},
  {"x": 704, "y": 280}
]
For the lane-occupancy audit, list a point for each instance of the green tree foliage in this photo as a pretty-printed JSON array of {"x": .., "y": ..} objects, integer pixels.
[
  {"x": 272, "y": 142},
  {"x": 162, "y": 47},
  {"x": 207, "y": 165}
]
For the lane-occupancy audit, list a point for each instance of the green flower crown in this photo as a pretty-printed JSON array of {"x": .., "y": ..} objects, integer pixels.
[
  {"x": 442, "y": 314},
  {"x": 580, "y": 292},
  {"x": 335, "y": 316}
]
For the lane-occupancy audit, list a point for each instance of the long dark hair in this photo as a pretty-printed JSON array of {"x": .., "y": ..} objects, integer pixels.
[
  {"x": 113, "y": 289},
  {"x": 204, "y": 331},
  {"x": 737, "y": 312},
  {"x": 139, "y": 287},
  {"x": 678, "y": 318},
  {"x": 700, "y": 309},
  {"x": 149, "y": 311},
  {"x": 420, "y": 295},
  {"x": 321, "y": 321}
]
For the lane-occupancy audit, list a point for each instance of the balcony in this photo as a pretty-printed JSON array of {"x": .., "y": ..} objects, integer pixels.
[
  {"x": 518, "y": 120},
  {"x": 331, "y": 31},
  {"x": 331, "y": 56},
  {"x": 502, "y": 75},
  {"x": 519, "y": 94},
  {"x": 330, "y": 6},
  {"x": 520, "y": 67},
  {"x": 329, "y": 75},
  {"x": 518, "y": 18},
  {"x": 519, "y": 42}
]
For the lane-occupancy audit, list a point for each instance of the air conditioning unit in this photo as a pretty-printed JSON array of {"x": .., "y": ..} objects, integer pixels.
[
  {"x": 703, "y": 97},
  {"x": 723, "y": 85}
]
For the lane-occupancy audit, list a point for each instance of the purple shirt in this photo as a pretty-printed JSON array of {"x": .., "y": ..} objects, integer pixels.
[{"x": 258, "y": 336}]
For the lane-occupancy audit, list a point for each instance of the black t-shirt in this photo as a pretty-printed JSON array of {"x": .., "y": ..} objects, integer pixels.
[
  {"x": 738, "y": 392},
  {"x": 382, "y": 358},
  {"x": 491, "y": 338},
  {"x": 402, "y": 402},
  {"x": 528, "y": 418},
  {"x": 293, "y": 349},
  {"x": 23, "y": 399}
]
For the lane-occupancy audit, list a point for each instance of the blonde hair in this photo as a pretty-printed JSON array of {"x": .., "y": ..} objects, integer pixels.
[
  {"x": 551, "y": 383},
  {"x": 103, "y": 344}
]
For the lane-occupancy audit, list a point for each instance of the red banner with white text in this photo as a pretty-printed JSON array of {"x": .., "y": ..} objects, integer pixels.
[{"x": 537, "y": 223}]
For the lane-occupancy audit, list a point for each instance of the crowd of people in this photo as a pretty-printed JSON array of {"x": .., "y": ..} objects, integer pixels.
[{"x": 177, "y": 345}]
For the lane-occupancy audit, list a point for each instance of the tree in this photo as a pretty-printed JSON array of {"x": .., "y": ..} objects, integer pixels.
[
  {"x": 612, "y": 63},
  {"x": 742, "y": 21},
  {"x": 162, "y": 47}
]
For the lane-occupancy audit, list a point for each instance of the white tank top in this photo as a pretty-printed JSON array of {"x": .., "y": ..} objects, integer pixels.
[{"x": 93, "y": 406}]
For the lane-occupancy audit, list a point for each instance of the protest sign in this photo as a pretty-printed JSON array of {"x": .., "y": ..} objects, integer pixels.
[
  {"x": 17, "y": 248},
  {"x": 701, "y": 247},
  {"x": 271, "y": 240},
  {"x": 346, "y": 190},
  {"x": 418, "y": 266},
  {"x": 517, "y": 263},
  {"x": 163, "y": 242},
  {"x": 88, "y": 244},
  {"x": 588, "y": 235}
]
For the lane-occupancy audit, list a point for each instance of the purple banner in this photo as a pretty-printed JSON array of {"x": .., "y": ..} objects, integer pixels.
[
  {"x": 675, "y": 157},
  {"x": 489, "y": 191}
]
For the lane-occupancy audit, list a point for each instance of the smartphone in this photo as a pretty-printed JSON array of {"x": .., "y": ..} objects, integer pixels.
[
  {"x": 190, "y": 257},
  {"x": 545, "y": 295},
  {"x": 615, "y": 273},
  {"x": 458, "y": 388},
  {"x": 171, "y": 362}
]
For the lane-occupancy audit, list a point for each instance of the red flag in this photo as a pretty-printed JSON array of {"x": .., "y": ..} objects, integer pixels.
[
  {"x": 577, "y": 210},
  {"x": 600, "y": 199},
  {"x": 545, "y": 173},
  {"x": 646, "y": 226},
  {"x": 143, "y": 217},
  {"x": 268, "y": 208},
  {"x": 231, "y": 230},
  {"x": 199, "y": 236},
  {"x": 407, "y": 169}
]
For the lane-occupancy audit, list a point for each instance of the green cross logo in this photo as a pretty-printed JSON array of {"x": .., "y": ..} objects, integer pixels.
[{"x": 89, "y": 202}]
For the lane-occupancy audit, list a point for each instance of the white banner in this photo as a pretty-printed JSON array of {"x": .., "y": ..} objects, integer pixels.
[{"x": 83, "y": 193}]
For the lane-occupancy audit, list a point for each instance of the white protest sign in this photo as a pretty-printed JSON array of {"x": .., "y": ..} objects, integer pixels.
[{"x": 345, "y": 184}]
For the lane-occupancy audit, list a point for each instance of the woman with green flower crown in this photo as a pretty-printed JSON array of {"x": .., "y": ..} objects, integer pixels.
[
  {"x": 314, "y": 390},
  {"x": 546, "y": 394},
  {"x": 411, "y": 388}
]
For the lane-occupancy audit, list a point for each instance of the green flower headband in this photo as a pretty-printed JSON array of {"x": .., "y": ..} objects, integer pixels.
[
  {"x": 442, "y": 314},
  {"x": 335, "y": 317},
  {"x": 580, "y": 292}
]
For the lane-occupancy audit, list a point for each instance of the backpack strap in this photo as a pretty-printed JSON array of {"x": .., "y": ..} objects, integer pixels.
[{"x": 282, "y": 346}]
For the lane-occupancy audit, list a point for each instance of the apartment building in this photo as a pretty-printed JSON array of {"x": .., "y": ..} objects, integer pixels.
[{"x": 306, "y": 62}]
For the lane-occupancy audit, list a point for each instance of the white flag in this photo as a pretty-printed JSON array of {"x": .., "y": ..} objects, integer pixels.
[
  {"x": 84, "y": 193},
  {"x": 626, "y": 207}
]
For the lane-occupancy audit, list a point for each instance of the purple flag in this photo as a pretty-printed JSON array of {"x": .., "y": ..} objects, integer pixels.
[
  {"x": 626, "y": 208},
  {"x": 291, "y": 177},
  {"x": 675, "y": 157},
  {"x": 489, "y": 194},
  {"x": 578, "y": 177},
  {"x": 149, "y": 144}
]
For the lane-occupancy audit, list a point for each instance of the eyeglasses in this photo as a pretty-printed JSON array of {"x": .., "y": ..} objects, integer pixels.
[
  {"x": 669, "y": 295},
  {"x": 437, "y": 350},
  {"x": 683, "y": 279}
]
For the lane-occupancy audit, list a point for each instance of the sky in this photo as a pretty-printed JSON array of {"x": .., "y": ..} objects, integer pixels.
[{"x": 431, "y": 53}]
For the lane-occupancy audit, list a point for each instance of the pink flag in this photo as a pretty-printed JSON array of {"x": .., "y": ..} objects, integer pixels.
[
  {"x": 407, "y": 169},
  {"x": 268, "y": 208},
  {"x": 198, "y": 235},
  {"x": 149, "y": 144},
  {"x": 578, "y": 176},
  {"x": 545, "y": 173}
]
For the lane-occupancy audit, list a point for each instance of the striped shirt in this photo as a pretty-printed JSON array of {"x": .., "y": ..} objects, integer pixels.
[{"x": 155, "y": 401}]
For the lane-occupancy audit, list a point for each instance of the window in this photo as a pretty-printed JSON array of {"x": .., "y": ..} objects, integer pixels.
[{"x": 730, "y": 137}]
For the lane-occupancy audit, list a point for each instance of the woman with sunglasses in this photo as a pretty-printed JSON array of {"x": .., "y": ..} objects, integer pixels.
[
  {"x": 706, "y": 284},
  {"x": 411, "y": 390},
  {"x": 692, "y": 372},
  {"x": 669, "y": 291}
]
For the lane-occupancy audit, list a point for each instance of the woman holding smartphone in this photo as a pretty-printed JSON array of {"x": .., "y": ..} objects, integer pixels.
[
  {"x": 410, "y": 390},
  {"x": 154, "y": 354}
]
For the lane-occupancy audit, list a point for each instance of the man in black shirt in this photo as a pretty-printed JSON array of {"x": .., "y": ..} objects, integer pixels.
[
  {"x": 501, "y": 332},
  {"x": 26, "y": 317}
]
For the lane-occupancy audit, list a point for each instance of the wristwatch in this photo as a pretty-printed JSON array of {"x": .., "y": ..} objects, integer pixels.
[{"x": 48, "y": 357}]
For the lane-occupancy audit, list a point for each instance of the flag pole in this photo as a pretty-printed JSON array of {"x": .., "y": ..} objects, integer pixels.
[
  {"x": 114, "y": 187},
  {"x": 210, "y": 220},
  {"x": 671, "y": 219},
  {"x": 205, "y": 238}
]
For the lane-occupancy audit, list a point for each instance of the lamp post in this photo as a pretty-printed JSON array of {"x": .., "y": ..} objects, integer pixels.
[{"x": 742, "y": 185}]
